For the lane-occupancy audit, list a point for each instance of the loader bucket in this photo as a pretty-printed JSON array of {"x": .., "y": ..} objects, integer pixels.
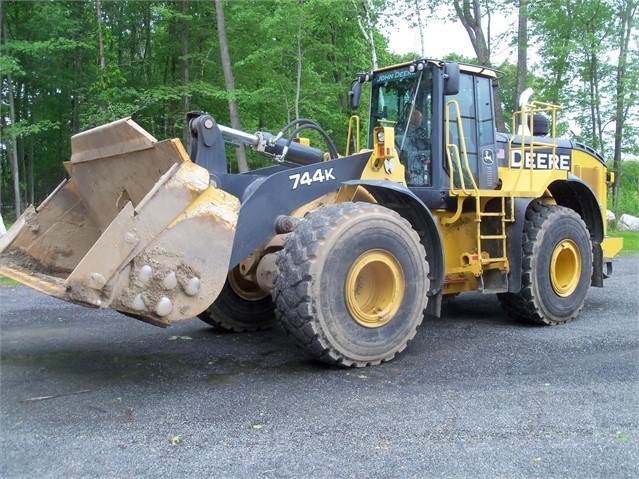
[{"x": 137, "y": 228}]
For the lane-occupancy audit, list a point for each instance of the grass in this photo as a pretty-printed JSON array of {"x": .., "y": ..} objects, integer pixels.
[
  {"x": 630, "y": 241},
  {"x": 4, "y": 281}
]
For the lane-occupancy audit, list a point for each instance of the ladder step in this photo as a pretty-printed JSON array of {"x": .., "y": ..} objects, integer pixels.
[
  {"x": 492, "y": 237},
  {"x": 493, "y": 260},
  {"x": 484, "y": 213}
]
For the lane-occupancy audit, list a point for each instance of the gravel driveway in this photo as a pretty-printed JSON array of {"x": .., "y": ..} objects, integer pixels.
[{"x": 89, "y": 393}]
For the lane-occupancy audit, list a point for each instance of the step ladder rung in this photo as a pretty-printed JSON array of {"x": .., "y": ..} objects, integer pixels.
[
  {"x": 493, "y": 260},
  {"x": 492, "y": 237}
]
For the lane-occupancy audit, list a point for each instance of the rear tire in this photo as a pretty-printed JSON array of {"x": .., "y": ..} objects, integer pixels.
[
  {"x": 556, "y": 267},
  {"x": 241, "y": 306},
  {"x": 351, "y": 284}
]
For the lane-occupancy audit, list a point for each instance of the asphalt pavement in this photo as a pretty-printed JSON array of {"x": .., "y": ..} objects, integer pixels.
[{"x": 94, "y": 394}]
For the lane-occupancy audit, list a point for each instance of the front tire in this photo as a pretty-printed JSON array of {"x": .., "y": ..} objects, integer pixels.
[
  {"x": 351, "y": 284},
  {"x": 556, "y": 267}
]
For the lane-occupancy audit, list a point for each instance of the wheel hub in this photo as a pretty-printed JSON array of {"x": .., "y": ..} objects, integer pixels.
[
  {"x": 565, "y": 268},
  {"x": 245, "y": 288},
  {"x": 374, "y": 288}
]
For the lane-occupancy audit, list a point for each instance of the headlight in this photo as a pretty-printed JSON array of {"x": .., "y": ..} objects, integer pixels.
[{"x": 380, "y": 136}]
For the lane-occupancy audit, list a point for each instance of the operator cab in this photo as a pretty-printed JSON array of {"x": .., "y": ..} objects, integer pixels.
[
  {"x": 402, "y": 98},
  {"x": 443, "y": 117}
]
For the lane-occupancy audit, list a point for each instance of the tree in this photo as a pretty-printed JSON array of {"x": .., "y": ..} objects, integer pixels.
[
  {"x": 595, "y": 73},
  {"x": 12, "y": 118},
  {"x": 365, "y": 13},
  {"x": 626, "y": 85},
  {"x": 578, "y": 72},
  {"x": 184, "y": 65},
  {"x": 33, "y": 108},
  {"x": 522, "y": 50},
  {"x": 470, "y": 14},
  {"x": 93, "y": 62},
  {"x": 473, "y": 14},
  {"x": 229, "y": 80}
]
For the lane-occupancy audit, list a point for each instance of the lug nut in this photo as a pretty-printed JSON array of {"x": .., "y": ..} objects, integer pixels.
[
  {"x": 164, "y": 307},
  {"x": 145, "y": 274},
  {"x": 170, "y": 282},
  {"x": 138, "y": 303},
  {"x": 193, "y": 286}
]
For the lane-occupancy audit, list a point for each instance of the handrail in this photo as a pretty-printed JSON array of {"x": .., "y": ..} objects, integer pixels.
[
  {"x": 351, "y": 120},
  {"x": 465, "y": 170},
  {"x": 526, "y": 123}
]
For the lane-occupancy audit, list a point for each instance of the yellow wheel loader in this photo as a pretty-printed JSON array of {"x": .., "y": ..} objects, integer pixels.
[{"x": 347, "y": 253}]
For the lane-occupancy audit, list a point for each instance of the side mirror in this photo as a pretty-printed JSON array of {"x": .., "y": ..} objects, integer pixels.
[
  {"x": 451, "y": 78},
  {"x": 354, "y": 94}
]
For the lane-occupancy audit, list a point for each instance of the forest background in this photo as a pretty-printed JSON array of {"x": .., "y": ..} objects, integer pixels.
[{"x": 67, "y": 66}]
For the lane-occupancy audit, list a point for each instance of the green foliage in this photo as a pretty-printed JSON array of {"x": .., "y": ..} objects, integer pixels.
[
  {"x": 162, "y": 58},
  {"x": 10, "y": 65},
  {"x": 290, "y": 59},
  {"x": 4, "y": 281},
  {"x": 584, "y": 70},
  {"x": 628, "y": 177},
  {"x": 628, "y": 202},
  {"x": 26, "y": 128},
  {"x": 630, "y": 241}
]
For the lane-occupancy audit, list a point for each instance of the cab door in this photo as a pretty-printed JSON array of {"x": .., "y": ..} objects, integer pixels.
[{"x": 471, "y": 132}]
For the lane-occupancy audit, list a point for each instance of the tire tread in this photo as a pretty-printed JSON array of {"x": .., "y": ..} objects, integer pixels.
[{"x": 293, "y": 281}]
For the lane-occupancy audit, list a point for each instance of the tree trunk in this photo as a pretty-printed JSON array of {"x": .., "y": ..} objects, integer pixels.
[
  {"x": 298, "y": 81},
  {"x": 75, "y": 92},
  {"x": 103, "y": 103},
  {"x": 13, "y": 158},
  {"x": 30, "y": 161},
  {"x": 420, "y": 26},
  {"x": 470, "y": 16},
  {"x": 14, "y": 148},
  {"x": 522, "y": 51},
  {"x": 628, "y": 11},
  {"x": 100, "y": 41},
  {"x": 2, "y": 118},
  {"x": 148, "y": 57},
  {"x": 229, "y": 81},
  {"x": 184, "y": 37},
  {"x": 470, "y": 13},
  {"x": 367, "y": 30}
]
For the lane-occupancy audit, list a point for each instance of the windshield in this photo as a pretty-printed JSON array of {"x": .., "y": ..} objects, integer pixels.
[{"x": 402, "y": 99}]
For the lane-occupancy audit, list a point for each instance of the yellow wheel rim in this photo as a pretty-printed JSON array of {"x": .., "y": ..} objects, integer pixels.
[
  {"x": 374, "y": 288},
  {"x": 245, "y": 288},
  {"x": 565, "y": 268}
]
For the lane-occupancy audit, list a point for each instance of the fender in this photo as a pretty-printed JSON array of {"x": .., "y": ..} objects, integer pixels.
[
  {"x": 574, "y": 194},
  {"x": 515, "y": 234},
  {"x": 397, "y": 197},
  {"x": 267, "y": 197},
  {"x": 577, "y": 195}
]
